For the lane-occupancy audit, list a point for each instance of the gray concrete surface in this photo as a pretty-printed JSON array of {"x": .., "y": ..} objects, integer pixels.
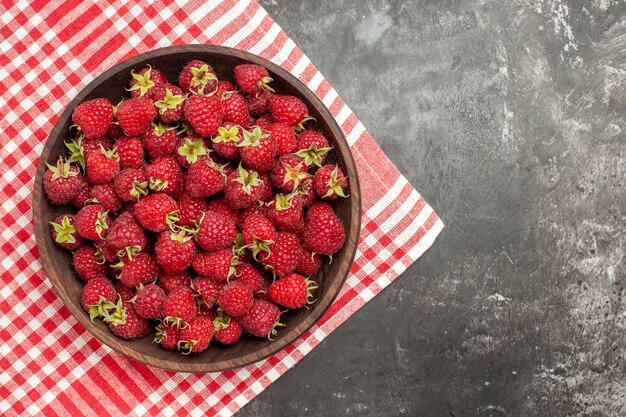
[{"x": 512, "y": 113}]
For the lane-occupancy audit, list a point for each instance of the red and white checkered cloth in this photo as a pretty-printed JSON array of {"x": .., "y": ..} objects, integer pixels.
[{"x": 50, "y": 365}]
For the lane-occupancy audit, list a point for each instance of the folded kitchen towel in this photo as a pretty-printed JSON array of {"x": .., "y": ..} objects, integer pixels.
[{"x": 49, "y": 364}]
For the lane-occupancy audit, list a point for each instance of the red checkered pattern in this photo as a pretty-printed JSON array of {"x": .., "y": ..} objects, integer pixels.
[{"x": 50, "y": 365}]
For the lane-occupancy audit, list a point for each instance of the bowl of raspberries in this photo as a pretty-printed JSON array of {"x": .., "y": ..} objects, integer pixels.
[{"x": 197, "y": 208}]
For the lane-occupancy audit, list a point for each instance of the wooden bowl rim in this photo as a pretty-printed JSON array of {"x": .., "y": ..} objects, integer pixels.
[{"x": 318, "y": 309}]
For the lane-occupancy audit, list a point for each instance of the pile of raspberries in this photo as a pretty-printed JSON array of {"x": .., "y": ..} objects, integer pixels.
[{"x": 202, "y": 207}]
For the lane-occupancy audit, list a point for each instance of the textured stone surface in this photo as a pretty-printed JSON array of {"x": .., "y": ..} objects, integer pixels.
[{"x": 509, "y": 117}]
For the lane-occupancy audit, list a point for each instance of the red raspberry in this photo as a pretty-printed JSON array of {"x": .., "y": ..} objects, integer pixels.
[
  {"x": 143, "y": 83},
  {"x": 218, "y": 265},
  {"x": 114, "y": 131},
  {"x": 287, "y": 109},
  {"x": 284, "y": 137},
  {"x": 292, "y": 291},
  {"x": 180, "y": 188},
  {"x": 168, "y": 99},
  {"x": 197, "y": 76},
  {"x": 160, "y": 140},
  {"x": 93, "y": 117},
  {"x": 219, "y": 205},
  {"x": 323, "y": 231},
  {"x": 167, "y": 335},
  {"x": 62, "y": 183},
  {"x": 102, "y": 167},
  {"x": 170, "y": 282},
  {"x": 320, "y": 208},
  {"x": 312, "y": 147},
  {"x": 263, "y": 293},
  {"x": 248, "y": 276},
  {"x": 126, "y": 234},
  {"x": 164, "y": 174},
  {"x": 64, "y": 232},
  {"x": 239, "y": 249},
  {"x": 264, "y": 122},
  {"x": 197, "y": 336},
  {"x": 235, "y": 299},
  {"x": 190, "y": 210},
  {"x": 204, "y": 311},
  {"x": 208, "y": 289},
  {"x": 243, "y": 188},
  {"x": 226, "y": 140},
  {"x": 288, "y": 172},
  {"x": 252, "y": 78},
  {"x": 285, "y": 212},
  {"x": 309, "y": 262},
  {"x": 298, "y": 229},
  {"x": 204, "y": 179},
  {"x": 141, "y": 269},
  {"x": 190, "y": 149},
  {"x": 174, "y": 251},
  {"x": 125, "y": 293},
  {"x": 149, "y": 302},
  {"x": 92, "y": 222},
  {"x": 330, "y": 182},
  {"x": 284, "y": 254},
  {"x": 307, "y": 193},
  {"x": 87, "y": 264},
  {"x": 235, "y": 109},
  {"x": 262, "y": 319},
  {"x": 127, "y": 324},
  {"x": 227, "y": 330},
  {"x": 179, "y": 307},
  {"x": 258, "y": 233},
  {"x": 105, "y": 252},
  {"x": 204, "y": 114},
  {"x": 257, "y": 149},
  {"x": 98, "y": 297},
  {"x": 107, "y": 197},
  {"x": 94, "y": 145},
  {"x": 135, "y": 115},
  {"x": 216, "y": 231},
  {"x": 155, "y": 212},
  {"x": 131, "y": 184},
  {"x": 224, "y": 87},
  {"x": 259, "y": 102},
  {"x": 84, "y": 193},
  {"x": 267, "y": 191},
  {"x": 130, "y": 151},
  {"x": 256, "y": 209}
]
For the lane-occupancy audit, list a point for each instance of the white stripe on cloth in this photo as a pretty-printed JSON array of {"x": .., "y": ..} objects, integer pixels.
[
  {"x": 390, "y": 195},
  {"x": 245, "y": 31},
  {"x": 414, "y": 226},
  {"x": 397, "y": 216},
  {"x": 426, "y": 241},
  {"x": 284, "y": 52},
  {"x": 267, "y": 40},
  {"x": 225, "y": 19}
]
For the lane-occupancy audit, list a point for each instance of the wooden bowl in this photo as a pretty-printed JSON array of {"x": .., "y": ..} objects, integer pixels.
[{"x": 58, "y": 262}]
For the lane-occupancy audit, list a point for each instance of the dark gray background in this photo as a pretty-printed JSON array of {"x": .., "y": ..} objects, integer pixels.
[{"x": 508, "y": 117}]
